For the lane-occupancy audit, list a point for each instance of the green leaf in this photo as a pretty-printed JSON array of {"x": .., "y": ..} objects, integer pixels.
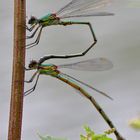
[
  {"x": 50, "y": 138},
  {"x": 135, "y": 123},
  {"x": 90, "y": 135},
  {"x": 88, "y": 130}
]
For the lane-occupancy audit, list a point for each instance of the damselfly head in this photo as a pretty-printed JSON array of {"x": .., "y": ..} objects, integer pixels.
[
  {"x": 32, "y": 20},
  {"x": 33, "y": 64}
]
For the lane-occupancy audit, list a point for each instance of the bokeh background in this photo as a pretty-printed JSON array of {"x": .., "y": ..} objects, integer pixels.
[{"x": 55, "y": 108}]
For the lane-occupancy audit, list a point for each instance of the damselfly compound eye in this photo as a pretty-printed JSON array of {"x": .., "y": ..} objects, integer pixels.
[
  {"x": 33, "y": 64},
  {"x": 32, "y": 20}
]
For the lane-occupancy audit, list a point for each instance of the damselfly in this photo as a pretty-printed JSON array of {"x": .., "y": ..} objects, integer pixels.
[
  {"x": 96, "y": 64},
  {"x": 75, "y": 8}
]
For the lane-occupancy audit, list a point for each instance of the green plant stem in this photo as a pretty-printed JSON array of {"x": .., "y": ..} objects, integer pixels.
[{"x": 17, "y": 89}]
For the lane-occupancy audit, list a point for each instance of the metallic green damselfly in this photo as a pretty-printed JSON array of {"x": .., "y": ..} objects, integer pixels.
[
  {"x": 96, "y": 64},
  {"x": 75, "y": 8}
]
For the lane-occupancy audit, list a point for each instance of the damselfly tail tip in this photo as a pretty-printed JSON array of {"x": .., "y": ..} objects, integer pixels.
[
  {"x": 111, "y": 98},
  {"x": 106, "y": 95},
  {"x": 111, "y": 14}
]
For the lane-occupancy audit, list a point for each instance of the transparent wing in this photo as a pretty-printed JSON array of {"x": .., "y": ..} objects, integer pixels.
[
  {"x": 88, "y": 14},
  {"x": 72, "y": 79},
  {"x": 96, "y": 64},
  {"x": 81, "y": 4},
  {"x": 80, "y": 7}
]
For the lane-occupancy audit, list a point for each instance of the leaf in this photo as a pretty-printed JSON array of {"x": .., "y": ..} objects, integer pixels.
[
  {"x": 90, "y": 135},
  {"x": 88, "y": 130},
  {"x": 50, "y": 138},
  {"x": 135, "y": 123}
]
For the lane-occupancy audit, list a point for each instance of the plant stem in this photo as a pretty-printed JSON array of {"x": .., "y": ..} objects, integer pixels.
[{"x": 17, "y": 87}]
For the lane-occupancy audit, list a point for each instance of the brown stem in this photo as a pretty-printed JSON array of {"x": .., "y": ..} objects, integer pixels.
[{"x": 16, "y": 105}]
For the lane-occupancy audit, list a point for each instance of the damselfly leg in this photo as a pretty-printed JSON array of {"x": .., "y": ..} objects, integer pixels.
[{"x": 31, "y": 80}]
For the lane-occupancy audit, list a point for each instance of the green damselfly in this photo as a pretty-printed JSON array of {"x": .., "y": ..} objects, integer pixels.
[
  {"x": 75, "y": 8},
  {"x": 96, "y": 64}
]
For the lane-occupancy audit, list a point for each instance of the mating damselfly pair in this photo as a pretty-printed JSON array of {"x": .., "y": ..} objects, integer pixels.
[{"x": 75, "y": 8}]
